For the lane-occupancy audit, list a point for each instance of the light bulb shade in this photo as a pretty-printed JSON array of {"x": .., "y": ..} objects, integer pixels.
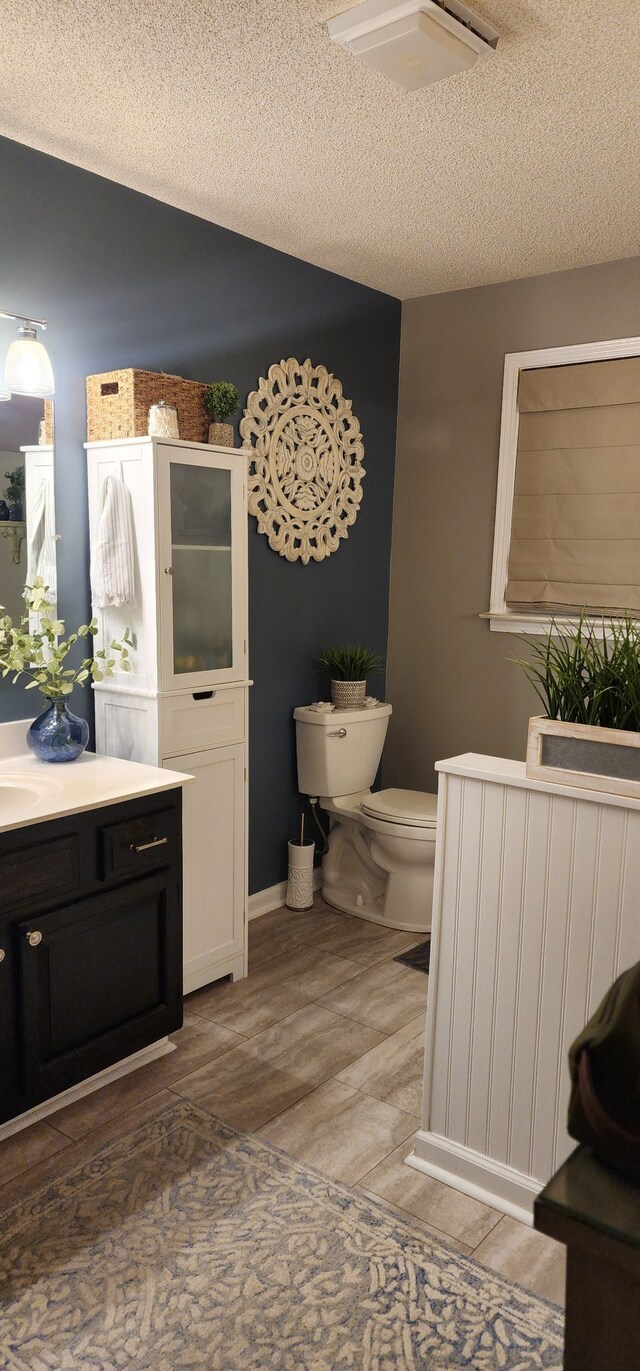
[{"x": 27, "y": 370}]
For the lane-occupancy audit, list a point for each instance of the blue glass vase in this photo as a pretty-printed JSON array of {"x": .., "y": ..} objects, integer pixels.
[{"x": 57, "y": 735}]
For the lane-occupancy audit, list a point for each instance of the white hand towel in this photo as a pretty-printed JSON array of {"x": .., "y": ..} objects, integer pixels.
[
  {"x": 112, "y": 560},
  {"x": 41, "y": 545}
]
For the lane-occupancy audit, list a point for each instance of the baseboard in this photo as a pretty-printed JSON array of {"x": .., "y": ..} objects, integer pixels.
[
  {"x": 199, "y": 972},
  {"x": 263, "y": 901},
  {"x": 78, "y": 1092},
  {"x": 487, "y": 1180}
]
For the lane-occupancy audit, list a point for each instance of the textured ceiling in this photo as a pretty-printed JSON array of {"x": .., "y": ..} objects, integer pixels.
[{"x": 244, "y": 112}]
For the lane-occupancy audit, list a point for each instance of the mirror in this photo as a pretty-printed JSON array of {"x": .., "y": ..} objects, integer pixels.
[
  {"x": 27, "y": 496},
  {"x": 27, "y": 512}
]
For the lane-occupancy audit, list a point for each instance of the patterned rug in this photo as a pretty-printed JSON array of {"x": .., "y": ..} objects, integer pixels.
[{"x": 187, "y": 1245}]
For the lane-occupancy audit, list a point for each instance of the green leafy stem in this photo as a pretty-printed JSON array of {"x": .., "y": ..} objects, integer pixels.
[{"x": 41, "y": 654}]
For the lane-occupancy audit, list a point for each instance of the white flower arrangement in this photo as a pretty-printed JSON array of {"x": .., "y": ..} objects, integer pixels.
[{"x": 41, "y": 654}]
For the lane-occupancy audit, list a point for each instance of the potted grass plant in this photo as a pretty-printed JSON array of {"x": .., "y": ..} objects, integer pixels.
[
  {"x": 587, "y": 676},
  {"x": 221, "y": 401},
  {"x": 348, "y": 668}
]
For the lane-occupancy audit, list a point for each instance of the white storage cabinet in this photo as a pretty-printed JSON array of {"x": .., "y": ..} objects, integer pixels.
[{"x": 184, "y": 702}]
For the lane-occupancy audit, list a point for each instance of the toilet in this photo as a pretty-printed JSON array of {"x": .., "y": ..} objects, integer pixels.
[{"x": 381, "y": 843}]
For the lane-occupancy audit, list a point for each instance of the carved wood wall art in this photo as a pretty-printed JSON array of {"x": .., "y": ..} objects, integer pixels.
[{"x": 305, "y": 478}]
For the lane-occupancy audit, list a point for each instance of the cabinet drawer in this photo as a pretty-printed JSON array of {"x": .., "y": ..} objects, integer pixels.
[
  {"x": 139, "y": 845},
  {"x": 37, "y": 871},
  {"x": 199, "y": 720}
]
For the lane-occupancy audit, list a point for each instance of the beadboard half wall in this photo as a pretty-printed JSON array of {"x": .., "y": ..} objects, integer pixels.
[{"x": 124, "y": 281}]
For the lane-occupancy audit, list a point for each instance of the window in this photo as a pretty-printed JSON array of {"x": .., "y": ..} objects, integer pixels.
[{"x": 567, "y": 531}]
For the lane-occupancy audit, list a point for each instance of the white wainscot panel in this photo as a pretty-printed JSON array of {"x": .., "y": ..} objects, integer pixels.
[{"x": 535, "y": 913}]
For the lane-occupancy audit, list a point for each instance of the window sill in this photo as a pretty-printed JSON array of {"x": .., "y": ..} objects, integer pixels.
[{"x": 539, "y": 625}]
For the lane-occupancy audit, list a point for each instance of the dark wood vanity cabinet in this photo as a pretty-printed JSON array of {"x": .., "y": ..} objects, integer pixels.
[{"x": 91, "y": 932}]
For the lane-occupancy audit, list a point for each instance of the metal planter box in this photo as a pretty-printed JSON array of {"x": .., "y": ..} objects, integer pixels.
[{"x": 585, "y": 756}]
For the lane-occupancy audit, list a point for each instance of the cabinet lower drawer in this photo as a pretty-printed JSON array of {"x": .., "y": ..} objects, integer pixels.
[{"x": 201, "y": 719}]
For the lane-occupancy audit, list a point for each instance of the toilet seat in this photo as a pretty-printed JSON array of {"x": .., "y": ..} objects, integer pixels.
[{"x": 413, "y": 808}]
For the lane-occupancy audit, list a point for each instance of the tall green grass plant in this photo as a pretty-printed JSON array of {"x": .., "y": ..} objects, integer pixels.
[
  {"x": 587, "y": 674},
  {"x": 349, "y": 663}
]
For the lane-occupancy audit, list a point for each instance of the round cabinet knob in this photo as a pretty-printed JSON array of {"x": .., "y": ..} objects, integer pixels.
[
  {"x": 34, "y": 938},
  {"x": 168, "y": 571},
  {"x": 2, "y": 954}
]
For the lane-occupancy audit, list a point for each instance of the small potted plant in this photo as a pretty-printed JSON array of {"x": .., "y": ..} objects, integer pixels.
[
  {"x": 348, "y": 668},
  {"x": 221, "y": 401},
  {"x": 14, "y": 494},
  {"x": 56, "y": 735}
]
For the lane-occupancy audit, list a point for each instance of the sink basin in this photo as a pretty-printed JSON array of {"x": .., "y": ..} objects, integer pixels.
[{"x": 16, "y": 794}]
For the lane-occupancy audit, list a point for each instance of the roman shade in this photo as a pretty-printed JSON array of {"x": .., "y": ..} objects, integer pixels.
[{"x": 575, "y": 532}]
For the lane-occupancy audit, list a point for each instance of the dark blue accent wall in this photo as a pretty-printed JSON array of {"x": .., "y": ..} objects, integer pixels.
[{"x": 128, "y": 281}]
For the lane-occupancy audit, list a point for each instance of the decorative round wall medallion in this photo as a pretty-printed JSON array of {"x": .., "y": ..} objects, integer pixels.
[{"x": 305, "y": 479}]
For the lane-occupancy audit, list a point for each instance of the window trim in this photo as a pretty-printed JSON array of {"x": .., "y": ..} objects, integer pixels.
[{"x": 501, "y": 619}]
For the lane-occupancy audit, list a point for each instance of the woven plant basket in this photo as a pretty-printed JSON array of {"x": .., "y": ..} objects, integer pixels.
[
  {"x": 348, "y": 694},
  {"x": 118, "y": 404},
  {"x": 221, "y": 435}
]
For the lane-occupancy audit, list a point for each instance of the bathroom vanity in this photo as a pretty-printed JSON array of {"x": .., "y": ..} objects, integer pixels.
[{"x": 90, "y": 926}]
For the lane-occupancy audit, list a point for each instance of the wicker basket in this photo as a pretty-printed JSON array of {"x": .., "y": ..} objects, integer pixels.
[{"x": 118, "y": 404}]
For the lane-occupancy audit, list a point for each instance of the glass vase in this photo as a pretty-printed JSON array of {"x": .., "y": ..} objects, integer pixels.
[{"x": 57, "y": 735}]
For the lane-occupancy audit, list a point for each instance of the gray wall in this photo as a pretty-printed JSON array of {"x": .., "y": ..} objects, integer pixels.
[
  {"x": 127, "y": 281},
  {"x": 451, "y": 685}
]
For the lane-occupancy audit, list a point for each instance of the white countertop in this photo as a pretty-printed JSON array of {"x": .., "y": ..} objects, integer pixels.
[
  {"x": 31, "y": 791},
  {"x": 506, "y": 771}
]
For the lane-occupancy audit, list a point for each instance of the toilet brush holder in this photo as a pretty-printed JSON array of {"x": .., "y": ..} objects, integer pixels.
[{"x": 300, "y": 883}]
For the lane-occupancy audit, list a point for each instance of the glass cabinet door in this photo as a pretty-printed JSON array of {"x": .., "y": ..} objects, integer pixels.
[{"x": 203, "y": 637}]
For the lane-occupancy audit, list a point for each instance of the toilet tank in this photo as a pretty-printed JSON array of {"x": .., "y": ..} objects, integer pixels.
[{"x": 339, "y": 752}]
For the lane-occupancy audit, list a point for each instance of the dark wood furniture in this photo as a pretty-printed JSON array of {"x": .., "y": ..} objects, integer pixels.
[
  {"x": 596, "y": 1213},
  {"x": 90, "y": 944}
]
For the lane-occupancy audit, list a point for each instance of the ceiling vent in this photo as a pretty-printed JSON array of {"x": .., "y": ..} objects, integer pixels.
[{"x": 413, "y": 43}]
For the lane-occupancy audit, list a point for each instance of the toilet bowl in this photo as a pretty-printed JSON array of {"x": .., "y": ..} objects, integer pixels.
[{"x": 381, "y": 855}]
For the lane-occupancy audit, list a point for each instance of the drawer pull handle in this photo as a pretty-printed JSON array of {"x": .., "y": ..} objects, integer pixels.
[
  {"x": 2, "y": 954},
  {"x": 34, "y": 938},
  {"x": 144, "y": 847},
  {"x": 203, "y": 694}
]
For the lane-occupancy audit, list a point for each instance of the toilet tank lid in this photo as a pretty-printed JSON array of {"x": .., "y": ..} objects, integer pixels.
[
  {"x": 333, "y": 718},
  {"x": 414, "y": 806}
]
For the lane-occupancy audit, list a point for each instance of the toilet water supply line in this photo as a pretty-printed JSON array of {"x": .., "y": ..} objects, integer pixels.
[{"x": 313, "y": 801}]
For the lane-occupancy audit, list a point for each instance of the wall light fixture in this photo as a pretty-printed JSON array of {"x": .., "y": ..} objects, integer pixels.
[{"x": 27, "y": 369}]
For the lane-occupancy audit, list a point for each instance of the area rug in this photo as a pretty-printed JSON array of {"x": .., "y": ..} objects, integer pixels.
[
  {"x": 418, "y": 957},
  {"x": 187, "y": 1245}
]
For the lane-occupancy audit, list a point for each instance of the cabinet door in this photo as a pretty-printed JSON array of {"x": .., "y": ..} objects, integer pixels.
[
  {"x": 9, "y": 1083},
  {"x": 202, "y": 566},
  {"x": 213, "y": 861},
  {"x": 100, "y": 979}
]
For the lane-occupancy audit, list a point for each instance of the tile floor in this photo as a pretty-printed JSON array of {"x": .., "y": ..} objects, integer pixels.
[{"x": 319, "y": 1050}]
